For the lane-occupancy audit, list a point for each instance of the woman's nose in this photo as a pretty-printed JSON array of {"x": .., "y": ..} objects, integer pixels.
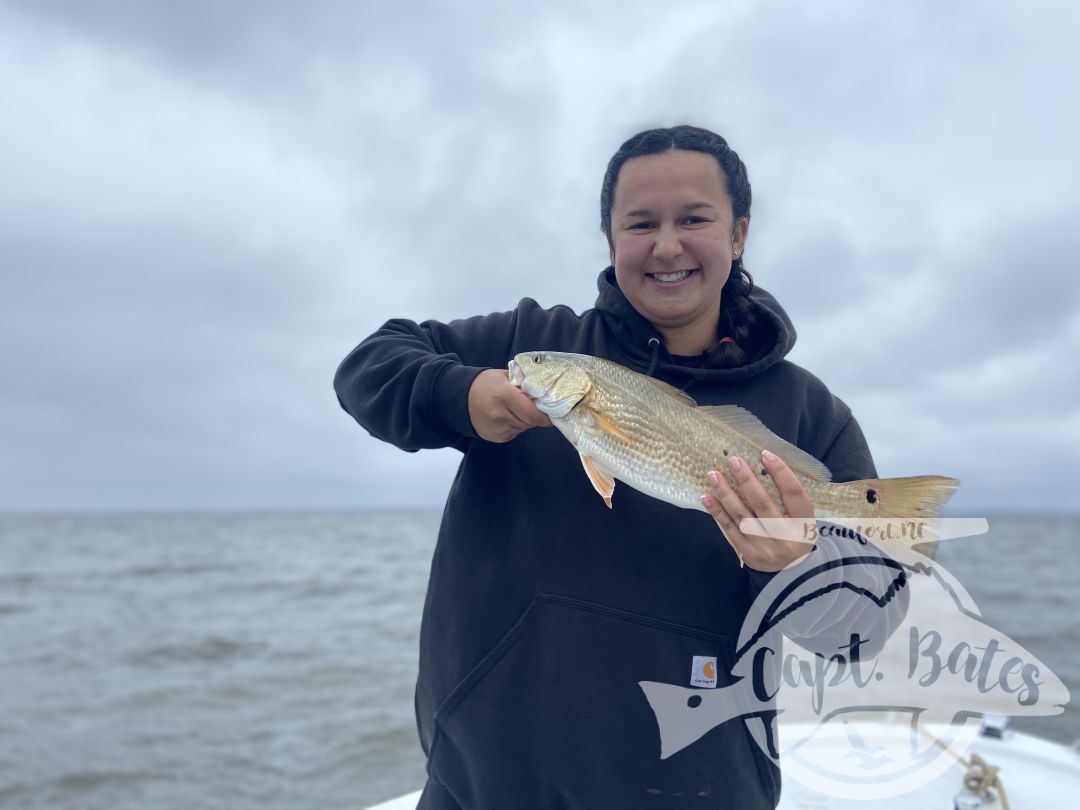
[{"x": 667, "y": 244}]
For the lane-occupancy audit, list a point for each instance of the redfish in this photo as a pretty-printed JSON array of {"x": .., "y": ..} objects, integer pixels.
[{"x": 659, "y": 441}]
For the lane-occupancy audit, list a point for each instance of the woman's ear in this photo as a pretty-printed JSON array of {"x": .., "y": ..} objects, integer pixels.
[{"x": 738, "y": 236}]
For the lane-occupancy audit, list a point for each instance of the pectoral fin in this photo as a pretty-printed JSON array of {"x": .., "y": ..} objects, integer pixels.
[
  {"x": 601, "y": 481},
  {"x": 605, "y": 424}
]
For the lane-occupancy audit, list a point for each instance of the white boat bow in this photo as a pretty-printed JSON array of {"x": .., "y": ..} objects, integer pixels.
[{"x": 1030, "y": 773}]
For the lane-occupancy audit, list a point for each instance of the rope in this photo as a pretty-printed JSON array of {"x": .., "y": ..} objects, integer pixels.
[{"x": 981, "y": 777}]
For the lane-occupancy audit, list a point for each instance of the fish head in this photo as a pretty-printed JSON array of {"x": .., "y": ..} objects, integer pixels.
[{"x": 554, "y": 381}]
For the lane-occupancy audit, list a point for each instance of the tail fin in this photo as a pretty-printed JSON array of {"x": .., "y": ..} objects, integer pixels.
[
  {"x": 920, "y": 496},
  {"x": 915, "y": 497}
]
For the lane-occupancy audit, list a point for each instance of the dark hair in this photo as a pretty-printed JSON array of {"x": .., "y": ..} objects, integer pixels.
[{"x": 736, "y": 317}]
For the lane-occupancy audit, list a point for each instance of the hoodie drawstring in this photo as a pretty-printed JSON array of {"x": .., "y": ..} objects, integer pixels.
[{"x": 655, "y": 343}]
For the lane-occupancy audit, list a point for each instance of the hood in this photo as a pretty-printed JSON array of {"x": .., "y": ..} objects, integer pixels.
[{"x": 633, "y": 332}]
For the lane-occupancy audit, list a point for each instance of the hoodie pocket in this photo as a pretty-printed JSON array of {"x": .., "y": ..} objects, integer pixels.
[{"x": 553, "y": 717}]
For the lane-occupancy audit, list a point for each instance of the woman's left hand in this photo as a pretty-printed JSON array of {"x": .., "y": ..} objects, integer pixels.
[{"x": 730, "y": 506}]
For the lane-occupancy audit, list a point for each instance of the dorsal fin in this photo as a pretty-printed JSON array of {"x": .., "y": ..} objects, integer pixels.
[
  {"x": 671, "y": 390},
  {"x": 666, "y": 388},
  {"x": 739, "y": 419}
]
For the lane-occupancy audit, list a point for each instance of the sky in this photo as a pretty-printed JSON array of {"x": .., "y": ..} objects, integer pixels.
[{"x": 204, "y": 206}]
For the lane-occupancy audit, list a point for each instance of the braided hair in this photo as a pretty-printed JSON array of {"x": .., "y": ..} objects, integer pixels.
[{"x": 737, "y": 319}]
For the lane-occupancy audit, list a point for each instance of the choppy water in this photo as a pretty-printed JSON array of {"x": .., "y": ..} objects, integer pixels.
[{"x": 268, "y": 661}]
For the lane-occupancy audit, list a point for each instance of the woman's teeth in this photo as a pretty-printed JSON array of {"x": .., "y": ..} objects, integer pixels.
[{"x": 679, "y": 276}]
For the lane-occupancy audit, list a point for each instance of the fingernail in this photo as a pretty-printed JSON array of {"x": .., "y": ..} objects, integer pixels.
[
  {"x": 714, "y": 478},
  {"x": 767, "y": 456},
  {"x": 706, "y": 501},
  {"x": 736, "y": 464}
]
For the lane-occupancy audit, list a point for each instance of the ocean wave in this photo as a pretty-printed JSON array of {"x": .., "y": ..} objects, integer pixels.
[
  {"x": 165, "y": 569},
  {"x": 210, "y": 649}
]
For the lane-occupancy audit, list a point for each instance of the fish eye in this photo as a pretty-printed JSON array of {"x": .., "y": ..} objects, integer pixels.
[{"x": 537, "y": 358}]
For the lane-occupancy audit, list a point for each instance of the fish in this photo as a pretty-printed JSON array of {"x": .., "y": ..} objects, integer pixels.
[{"x": 658, "y": 440}]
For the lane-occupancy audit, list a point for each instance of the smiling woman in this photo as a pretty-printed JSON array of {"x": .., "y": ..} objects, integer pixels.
[
  {"x": 676, "y": 209},
  {"x": 545, "y": 609},
  {"x": 673, "y": 242}
]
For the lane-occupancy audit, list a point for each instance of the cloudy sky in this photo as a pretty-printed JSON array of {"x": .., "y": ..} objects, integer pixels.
[{"x": 204, "y": 206}]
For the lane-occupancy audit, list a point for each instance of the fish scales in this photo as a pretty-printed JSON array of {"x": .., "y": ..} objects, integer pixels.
[
  {"x": 673, "y": 445},
  {"x": 641, "y": 431}
]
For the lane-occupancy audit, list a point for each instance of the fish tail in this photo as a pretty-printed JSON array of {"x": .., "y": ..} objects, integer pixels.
[
  {"x": 919, "y": 496},
  {"x": 684, "y": 716}
]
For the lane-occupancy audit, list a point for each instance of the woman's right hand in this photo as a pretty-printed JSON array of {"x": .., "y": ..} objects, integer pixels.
[{"x": 498, "y": 410}]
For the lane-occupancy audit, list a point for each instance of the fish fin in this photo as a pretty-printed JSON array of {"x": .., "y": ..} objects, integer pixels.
[
  {"x": 606, "y": 424},
  {"x": 601, "y": 481},
  {"x": 664, "y": 387},
  {"x": 741, "y": 420},
  {"x": 919, "y": 496},
  {"x": 672, "y": 391}
]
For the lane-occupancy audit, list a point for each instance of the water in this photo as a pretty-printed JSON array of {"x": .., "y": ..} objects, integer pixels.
[
  {"x": 1023, "y": 576},
  {"x": 209, "y": 661},
  {"x": 235, "y": 661}
]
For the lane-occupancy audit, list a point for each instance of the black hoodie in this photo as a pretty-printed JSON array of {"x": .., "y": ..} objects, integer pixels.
[{"x": 544, "y": 607}]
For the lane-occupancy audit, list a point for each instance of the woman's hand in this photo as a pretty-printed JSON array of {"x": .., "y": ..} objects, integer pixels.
[
  {"x": 498, "y": 410},
  {"x": 750, "y": 500}
]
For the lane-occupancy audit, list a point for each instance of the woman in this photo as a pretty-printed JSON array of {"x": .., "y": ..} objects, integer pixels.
[{"x": 544, "y": 608}]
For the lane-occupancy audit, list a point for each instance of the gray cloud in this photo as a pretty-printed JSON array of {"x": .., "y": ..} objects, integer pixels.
[{"x": 205, "y": 208}]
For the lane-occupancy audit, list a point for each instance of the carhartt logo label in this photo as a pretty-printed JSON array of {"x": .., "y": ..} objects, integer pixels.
[{"x": 703, "y": 672}]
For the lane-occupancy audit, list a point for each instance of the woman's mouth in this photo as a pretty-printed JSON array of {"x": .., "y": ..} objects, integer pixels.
[{"x": 672, "y": 278}]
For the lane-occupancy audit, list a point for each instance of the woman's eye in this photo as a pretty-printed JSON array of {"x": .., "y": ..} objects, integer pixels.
[
  {"x": 640, "y": 226},
  {"x": 694, "y": 220}
]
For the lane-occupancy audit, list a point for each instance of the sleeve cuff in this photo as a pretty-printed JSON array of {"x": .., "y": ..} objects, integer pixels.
[
  {"x": 450, "y": 398},
  {"x": 759, "y": 579}
]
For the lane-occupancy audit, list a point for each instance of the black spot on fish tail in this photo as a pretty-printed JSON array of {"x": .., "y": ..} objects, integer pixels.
[{"x": 871, "y": 496}]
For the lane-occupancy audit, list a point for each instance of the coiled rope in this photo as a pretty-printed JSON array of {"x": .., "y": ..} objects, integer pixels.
[{"x": 980, "y": 777}]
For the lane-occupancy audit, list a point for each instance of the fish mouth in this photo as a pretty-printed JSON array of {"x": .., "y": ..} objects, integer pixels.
[
  {"x": 517, "y": 374},
  {"x": 673, "y": 276},
  {"x": 531, "y": 390}
]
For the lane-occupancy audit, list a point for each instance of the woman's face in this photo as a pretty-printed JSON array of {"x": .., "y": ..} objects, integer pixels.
[{"x": 673, "y": 239}]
